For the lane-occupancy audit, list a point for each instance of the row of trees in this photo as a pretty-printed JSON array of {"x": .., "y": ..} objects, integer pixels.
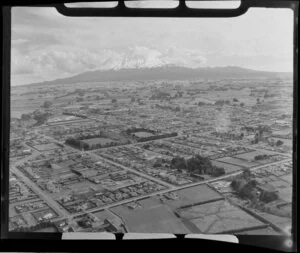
[
  {"x": 79, "y": 144},
  {"x": 38, "y": 226},
  {"x": 156, "y": 137},
  {"x": 247, "y": 188},
  {"x": 196, "y": 165},
  {"x": 26, "y": 116},
  {"x": 47, "y": 104},
  {"x": 168, "y": 107},
  {"x": 261, "y": 157},
  {"x": 277, "y": 143},
  {"x": 222, "y": 102},
  {"x": 41, "y": 118},
  {"x": 139, "y": 129}
]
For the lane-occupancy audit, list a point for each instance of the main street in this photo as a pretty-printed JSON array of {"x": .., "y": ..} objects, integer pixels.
[
  {"x": 50, "y": 201},
  {"x": 174, "y": 188},
  {"x": 64, "y": 214},
  {"x": 132, "y": 170}
]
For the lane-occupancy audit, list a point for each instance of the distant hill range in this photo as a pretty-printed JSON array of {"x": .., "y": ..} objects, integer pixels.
[{"x": 166, "y": 73}]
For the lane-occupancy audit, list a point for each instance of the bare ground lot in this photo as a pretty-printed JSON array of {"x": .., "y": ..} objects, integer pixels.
[
  {"x": 238, "y": 162},
  {"x": 46, "y": 147},
  {"x": 157, "y": 219},
  {"x": 218, "y": 217},
  {"x": 193, "y": 195}
]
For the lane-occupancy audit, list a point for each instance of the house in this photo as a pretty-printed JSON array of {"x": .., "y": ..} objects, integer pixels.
[
  {"x": 267, "y": 192},
  {"x": 113, "y": 225}
]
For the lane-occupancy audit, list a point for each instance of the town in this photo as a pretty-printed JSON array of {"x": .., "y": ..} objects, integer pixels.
[{"x": 186, "y": 156}]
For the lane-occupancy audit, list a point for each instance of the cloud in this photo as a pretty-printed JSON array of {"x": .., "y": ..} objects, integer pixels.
[
  {"x": 17, "y": 42},
  {"x": 185, "y": 57},
  {"x": 45, "y": 43},
  {"x": 74, "y": 60}
]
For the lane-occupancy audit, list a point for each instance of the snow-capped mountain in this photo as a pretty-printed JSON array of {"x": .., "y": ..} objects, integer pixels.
[
  {"x": 165, "y": 72},
  {"x": 143, "y": 57}
]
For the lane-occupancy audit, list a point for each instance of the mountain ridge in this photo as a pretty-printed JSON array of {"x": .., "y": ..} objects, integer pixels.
[{"x": 167, "y": 72}]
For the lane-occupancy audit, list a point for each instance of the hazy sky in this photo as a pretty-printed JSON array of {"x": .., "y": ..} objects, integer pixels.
[{"x": 47, "y": 45}]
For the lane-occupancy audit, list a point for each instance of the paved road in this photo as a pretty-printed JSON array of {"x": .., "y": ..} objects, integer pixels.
[
  {"x": 175, "y": 188},
  {"x": 118, "y": 164},
  {"x": 251, "y": 147},
  {"x": 50, "y": 201},
  {"x": 171, "y": 188},
  {"x": 134, "y": 171}
]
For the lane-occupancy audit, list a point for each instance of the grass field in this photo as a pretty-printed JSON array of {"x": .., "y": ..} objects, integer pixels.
[{"x": 219, "y": 216}]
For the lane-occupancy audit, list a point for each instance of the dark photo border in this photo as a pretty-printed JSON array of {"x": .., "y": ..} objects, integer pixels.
[{"x": 17, "y": 241}]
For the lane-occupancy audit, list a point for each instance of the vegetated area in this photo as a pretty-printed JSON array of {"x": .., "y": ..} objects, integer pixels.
[
  {"x": 91, "y": 142},
  {"x": 196, "y": 166},
  {"x": 266, "y": 192}
]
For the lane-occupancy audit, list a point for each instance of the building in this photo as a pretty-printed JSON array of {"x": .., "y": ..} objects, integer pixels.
[{"x": 267, "y": 192}]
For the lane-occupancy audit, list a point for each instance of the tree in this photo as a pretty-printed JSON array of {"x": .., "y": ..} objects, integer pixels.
[
  {"x": 81, "y": 93},
  {"x": 41, "y": 117},
  {"x": 242, "y": 104},
  {"x": 198, "y": 164},
  {"x": 114, "y": 100},
  {"x": 132, "y": 99},
  {"x": 201, "y": 103},
  {"x": 257, "y": 100},
  {"x": 146, "y": 146},
  {"x": 178, "y": 163},
  {"x": 235, "y": 100},
  {"x": 268, "y": 196},
  {"x": 279, "y": 143},
  {"x": 246, "y": 173},
  {"x": 26, "y": 116},
  {"x": 217, "y": 171},
  {"x": 47, "y": 104}
]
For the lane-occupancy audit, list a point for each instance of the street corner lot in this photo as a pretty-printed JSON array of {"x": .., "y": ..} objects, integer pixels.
[
  {"x": 250, "y": 155},
  {"x": 102, "y": 215},
  {"x": 262, "y": 231},
  {"x": 83, "y": 186},
  {"x": 229, "y": 168},
  {"x": 46, "y": 147},
  {"x": 193, "y": 195},
  {"x": 99, "y": 140},
  {"x": 219, "y": 217},
  {"x": 288, "y": 178},
  {"x": 237, "y": 162},
  {"x": 142, "y": 134},
  {"x": 156, "y": 219},
  {"x": 46, "y": 212},
  {"x": 282, "y": 222}
]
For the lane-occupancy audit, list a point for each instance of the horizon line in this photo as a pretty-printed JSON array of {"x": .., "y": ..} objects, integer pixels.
[{"x": 167, "y": 65}]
